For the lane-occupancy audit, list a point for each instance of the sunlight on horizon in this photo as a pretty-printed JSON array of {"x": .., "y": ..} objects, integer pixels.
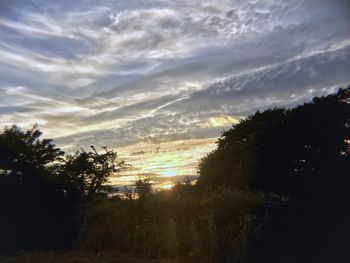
[
  {"x": 166, "y": 186},
  {"x": 164, "y": 163}
]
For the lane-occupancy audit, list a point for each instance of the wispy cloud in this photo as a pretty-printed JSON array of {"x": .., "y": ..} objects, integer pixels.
[{"x": 123, "y": 72}]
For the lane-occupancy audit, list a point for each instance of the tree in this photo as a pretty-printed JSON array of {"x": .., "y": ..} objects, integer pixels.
[
  {"x": 143, "y": 188},
  {"x": 306, "y": 160},
  {"x": 233, "y": 163},
  {"x": 280, "y": 150},
  {"x": 299, "y": 158},
  {"x": 89, "y": 171},
  {"x": 23, "y": 151},
  {"x": 38, "y": 212}
]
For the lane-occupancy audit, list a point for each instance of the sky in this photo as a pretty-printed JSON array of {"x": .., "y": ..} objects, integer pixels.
[{"x": 158, "y": 81}]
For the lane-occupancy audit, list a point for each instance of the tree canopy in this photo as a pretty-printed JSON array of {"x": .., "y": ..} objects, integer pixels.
[
  {"x": 274, "y": 190},
  {"x": 300, "y": 159},
  {"x": 41, "y": 190},
  {"x": 89, "y": 171},
  {"x": 278, "y": 149},
  {"x": 21, "y": 152}
]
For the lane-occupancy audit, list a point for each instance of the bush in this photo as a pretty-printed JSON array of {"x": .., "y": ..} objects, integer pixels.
[{"x": 172, "y": 224}]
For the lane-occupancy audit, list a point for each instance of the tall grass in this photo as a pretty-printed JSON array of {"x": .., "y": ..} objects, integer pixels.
[{"x": 180, "y": 223}]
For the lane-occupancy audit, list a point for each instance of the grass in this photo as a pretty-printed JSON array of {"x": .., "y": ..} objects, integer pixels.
[
  {"x": 171, "y": 226},
  {"x": 82, "y": 257}
]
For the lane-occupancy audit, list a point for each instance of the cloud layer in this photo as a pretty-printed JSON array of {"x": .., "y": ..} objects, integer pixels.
[{"x": 118, "y": 73}]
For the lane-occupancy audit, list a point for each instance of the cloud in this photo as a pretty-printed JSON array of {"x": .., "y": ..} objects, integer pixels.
[
  {"x": 137, "y": 153},
  {"x": 205, "y": 113},
  {"x": 119, "y": 73},
  {"x": 219, "y": 121}
]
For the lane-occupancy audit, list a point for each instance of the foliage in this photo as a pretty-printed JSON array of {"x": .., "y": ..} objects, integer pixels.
[
  {"x": 41, "y": 191},
  {"x": 274, "y": 190},
  {"x": 37, "y": 212},
  {"x": 88, "y": 171},
  {"x": 299, "y": 159},
  {"x": 279, "y": 150},
  {"x": 177, "y": 223},
  {"x": 143, "y": 188},
  {"x": 21, "y": 151}
]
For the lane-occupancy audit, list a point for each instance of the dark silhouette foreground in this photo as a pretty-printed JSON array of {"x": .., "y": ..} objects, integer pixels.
[
  {"x": 299, "y": 159},
  {"x": 42, "y": 192},
  {"x": 274, "y": 190}
]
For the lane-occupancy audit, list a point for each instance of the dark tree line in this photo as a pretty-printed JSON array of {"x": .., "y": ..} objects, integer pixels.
[
  {"x": 42, "y": 191},
  {"x": 299, "y": 158},
  {"x": 274, "y": 190}
]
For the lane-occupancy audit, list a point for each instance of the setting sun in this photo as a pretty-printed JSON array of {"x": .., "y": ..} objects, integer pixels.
[
  {"x": 166, "y": 186},
  {"x": 174, "y": 131}
]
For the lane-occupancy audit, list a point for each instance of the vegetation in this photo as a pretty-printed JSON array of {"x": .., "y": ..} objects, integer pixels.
[
  {"x": 178, "y": 223},
  {"x": 274, "y": 190},
  {"x": 299, "y": 159},
  {"x": 37, "y": 211},
  {"x": 42, "y": 192},
  {"x": 88, "y": 172}
]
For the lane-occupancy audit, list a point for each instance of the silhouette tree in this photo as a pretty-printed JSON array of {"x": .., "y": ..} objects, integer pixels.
[
  {"x": 279, "y": 150},
  {"x": 233, "y": 162},
  {"x": 306, "y": 160},
  {"x": 143, "y": 188},
  {"x": 24, "y": 150},
  {"x": 37, "y": 212},
  {"x": 299, "y": 158},
  {"x": 89, "y": 171}
]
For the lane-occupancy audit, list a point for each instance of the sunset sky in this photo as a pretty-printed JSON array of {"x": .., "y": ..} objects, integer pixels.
[{"x": 159, "y": 80}]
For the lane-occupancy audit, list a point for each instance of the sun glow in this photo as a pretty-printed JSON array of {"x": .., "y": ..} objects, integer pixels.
[
  {"x": 164, "y": 163},
  {"x": 166, "y": 186}
]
